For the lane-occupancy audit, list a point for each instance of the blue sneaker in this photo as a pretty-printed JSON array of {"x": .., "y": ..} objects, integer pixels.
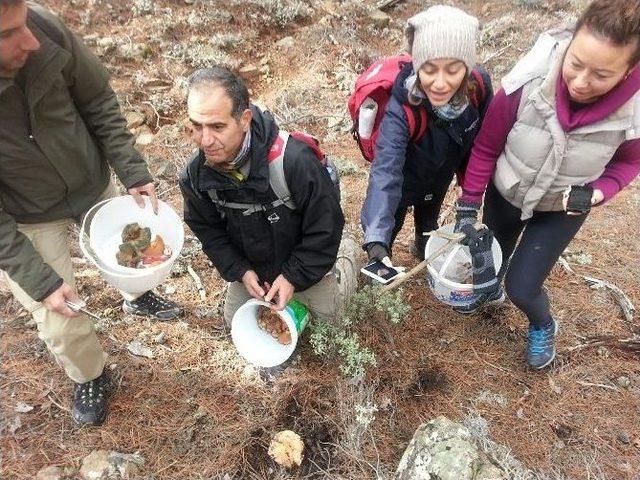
[
  {"x": 541, "y": 345},
  {"x": 483, "y": 300}
]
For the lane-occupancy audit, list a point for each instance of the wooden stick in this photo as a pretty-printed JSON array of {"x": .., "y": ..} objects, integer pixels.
[
  {"x": 601, "y": 385},
  {"x": 198, "y": 282},
  {"x": 423, "y": 264}
]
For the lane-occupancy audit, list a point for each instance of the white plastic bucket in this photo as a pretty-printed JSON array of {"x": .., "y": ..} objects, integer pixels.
[
  {"x": 443, "y": 273},
  {"x": 101, "y": 233},
  {"x": 257, "y": 346}
]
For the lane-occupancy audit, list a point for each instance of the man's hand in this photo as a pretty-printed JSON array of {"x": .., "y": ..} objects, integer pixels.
[
  {"x": 148, "y": 189},
  {"x": 252, "y": 284},
  {"x": 56, "y": 301},
  {"x": 283, "y": 288}
]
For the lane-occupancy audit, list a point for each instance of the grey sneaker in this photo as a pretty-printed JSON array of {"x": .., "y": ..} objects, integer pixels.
[
  {"x": 484, "y": 300},
  {"x": 541, "y": 345},
  {"x": 151, "y": 305}
]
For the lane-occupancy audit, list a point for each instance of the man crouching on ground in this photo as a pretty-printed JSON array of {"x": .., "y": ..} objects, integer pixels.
[{"x": 263, "y": 247}]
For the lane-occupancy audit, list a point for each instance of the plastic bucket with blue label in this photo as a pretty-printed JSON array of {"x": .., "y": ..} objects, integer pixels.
[{"x": 450, "y": 274}]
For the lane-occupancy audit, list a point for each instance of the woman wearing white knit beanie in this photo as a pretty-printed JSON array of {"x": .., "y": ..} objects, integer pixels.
[{"x": 443, "y": 85}]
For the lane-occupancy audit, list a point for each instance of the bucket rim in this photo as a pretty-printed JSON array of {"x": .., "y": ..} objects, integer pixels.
[
  {"x": 448, "y": 228},
  {"x": 254, "y": 302},
  {"x": 128, "y": 272}
]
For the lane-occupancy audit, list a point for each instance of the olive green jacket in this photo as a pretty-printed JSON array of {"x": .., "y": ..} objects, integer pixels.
[{"x": 58, "y": 137}]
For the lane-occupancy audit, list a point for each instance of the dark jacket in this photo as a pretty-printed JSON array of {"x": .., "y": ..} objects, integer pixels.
[
  {"x": 301, "y": 244},
  {"x": 60, "y": 129},
  {"x": 403, "y": 172}
]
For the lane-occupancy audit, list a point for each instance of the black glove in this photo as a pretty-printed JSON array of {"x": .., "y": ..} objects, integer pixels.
[
  {"x": 376, "y": 251},
  {"x": 466, "y": 214},
  {"x": 484, "y": 271},
  {"x": 579, "y": 199}
]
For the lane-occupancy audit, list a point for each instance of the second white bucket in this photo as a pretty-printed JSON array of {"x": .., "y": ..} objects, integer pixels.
[
  {"x": 443, "y": 274},
  {"x": 257, "y": 346}
]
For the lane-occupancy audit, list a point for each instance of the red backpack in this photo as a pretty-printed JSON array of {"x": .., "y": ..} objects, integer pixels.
[{"x": 376, "y": 83}]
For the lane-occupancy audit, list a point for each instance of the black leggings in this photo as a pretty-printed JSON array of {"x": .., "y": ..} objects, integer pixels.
[
  {"x": 425, "y": 212},
  {"x": 544, "y": 238}
]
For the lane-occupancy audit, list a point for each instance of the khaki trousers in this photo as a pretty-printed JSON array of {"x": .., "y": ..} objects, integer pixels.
[
  {"x": 72, "y": 341},
  {"x": 326, "y": 298}
]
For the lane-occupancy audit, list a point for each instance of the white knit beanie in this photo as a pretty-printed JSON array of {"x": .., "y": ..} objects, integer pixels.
[{"x": 442, "y": 32}]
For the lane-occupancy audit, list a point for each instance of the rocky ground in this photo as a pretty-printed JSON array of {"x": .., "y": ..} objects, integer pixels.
[{"x": 186, "y": 406}]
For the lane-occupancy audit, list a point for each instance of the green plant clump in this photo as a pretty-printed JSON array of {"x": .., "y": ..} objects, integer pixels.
[{"x": 340, "y": 338}]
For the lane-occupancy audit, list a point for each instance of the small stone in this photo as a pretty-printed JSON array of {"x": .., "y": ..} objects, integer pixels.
[
  {"x": 134, "y": 119},
  {"x": 31, "y": 323},
  {"x": 624, "y": 437},
  {"x": 144, "y": 139},
  {"x": 204, "y": 312},
  {"x": 286, "y": 43},
  {"x": 140, "y": 350},
  {"x": 22, "y": 407},
  {"x": 102, "y": 464},
  {"x": 189, "y": 2},
  {"x": 105, "y": 42},
  {"x": 50, "y": 473},
  {"x": 623, "y": 381},
  {"x": 379, "y": 19},
  {"x": 166, "y": 170},
  {"x": 558, "y": 444},
  {"x": 160, "y": 339},
  {"x": 249, "y": 71},
  {"x": 201, "y": 412}
]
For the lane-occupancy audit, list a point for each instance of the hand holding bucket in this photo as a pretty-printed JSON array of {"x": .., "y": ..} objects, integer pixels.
[{"x": 256, "y": 345}]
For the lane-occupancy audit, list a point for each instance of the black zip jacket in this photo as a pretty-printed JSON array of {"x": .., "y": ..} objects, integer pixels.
[{"x": 301, "y": 244}]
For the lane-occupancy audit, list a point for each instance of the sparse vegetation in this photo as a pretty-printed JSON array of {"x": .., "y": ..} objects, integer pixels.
[{"x": 197, "y": 410}]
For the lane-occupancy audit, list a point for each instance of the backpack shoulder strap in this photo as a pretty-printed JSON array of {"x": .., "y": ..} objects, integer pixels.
[
  {"x": 277, "y": 180},
  {"x": 481, "y": 92},
  {"x": 417, "y": 121}
]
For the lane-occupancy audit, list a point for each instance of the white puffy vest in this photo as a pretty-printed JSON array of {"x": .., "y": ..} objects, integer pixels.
[{"x": 540, "y": 160}]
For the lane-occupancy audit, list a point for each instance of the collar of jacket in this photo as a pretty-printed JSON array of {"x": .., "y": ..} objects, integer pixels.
[
  {"x": 544, "y": 99},
  {"x": 264, "y": 131},
  {"x": 40, "y": 66},
  {"x": 5, "y": 83}
]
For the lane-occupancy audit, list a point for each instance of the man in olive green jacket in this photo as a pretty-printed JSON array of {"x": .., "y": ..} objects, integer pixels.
[{"x": 61, "y": 129}]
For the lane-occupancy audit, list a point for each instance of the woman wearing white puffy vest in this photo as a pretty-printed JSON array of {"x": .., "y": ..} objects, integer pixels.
[{"x": 560, "y": 136}]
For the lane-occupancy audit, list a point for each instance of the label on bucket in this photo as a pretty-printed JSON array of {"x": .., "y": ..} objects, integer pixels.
[{"x": 299, "y": 313}]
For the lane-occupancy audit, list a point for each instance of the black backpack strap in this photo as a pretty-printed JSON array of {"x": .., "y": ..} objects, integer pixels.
[{"x": 247, "y": 208}]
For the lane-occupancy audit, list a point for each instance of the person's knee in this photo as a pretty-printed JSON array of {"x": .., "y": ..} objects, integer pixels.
[
  {"x": 521, "y": 296},
  {"x": 64, "y": 336}
]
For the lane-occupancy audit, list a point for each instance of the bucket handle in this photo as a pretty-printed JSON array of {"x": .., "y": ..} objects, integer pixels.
[
  {"x": 89, "y": 214},
  {"x": 449, "y": 259},
  {"x": 84, "y": 235}
]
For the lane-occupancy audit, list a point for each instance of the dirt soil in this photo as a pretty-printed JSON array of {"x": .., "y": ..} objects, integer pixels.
[{"x": 197, "y": 410}]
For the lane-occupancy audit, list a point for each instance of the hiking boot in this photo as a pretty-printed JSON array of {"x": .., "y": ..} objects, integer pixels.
[
  {"x": 418, "y": 246},
  {"x": 90, "y": 401},
  {"x": 541, "y": 345},
  {"x": 482, "y": 301},
  {"x": 150, "y": 305}
]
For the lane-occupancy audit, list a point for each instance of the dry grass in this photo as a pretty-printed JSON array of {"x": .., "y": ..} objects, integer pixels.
[{"x": 198, "y": 411}]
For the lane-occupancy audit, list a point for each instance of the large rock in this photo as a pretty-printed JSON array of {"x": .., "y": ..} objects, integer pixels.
[
  {"x": 108, "y": 465},
  {"x": 51, "y": 473},
  {"x": 444, "y": 450}
]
